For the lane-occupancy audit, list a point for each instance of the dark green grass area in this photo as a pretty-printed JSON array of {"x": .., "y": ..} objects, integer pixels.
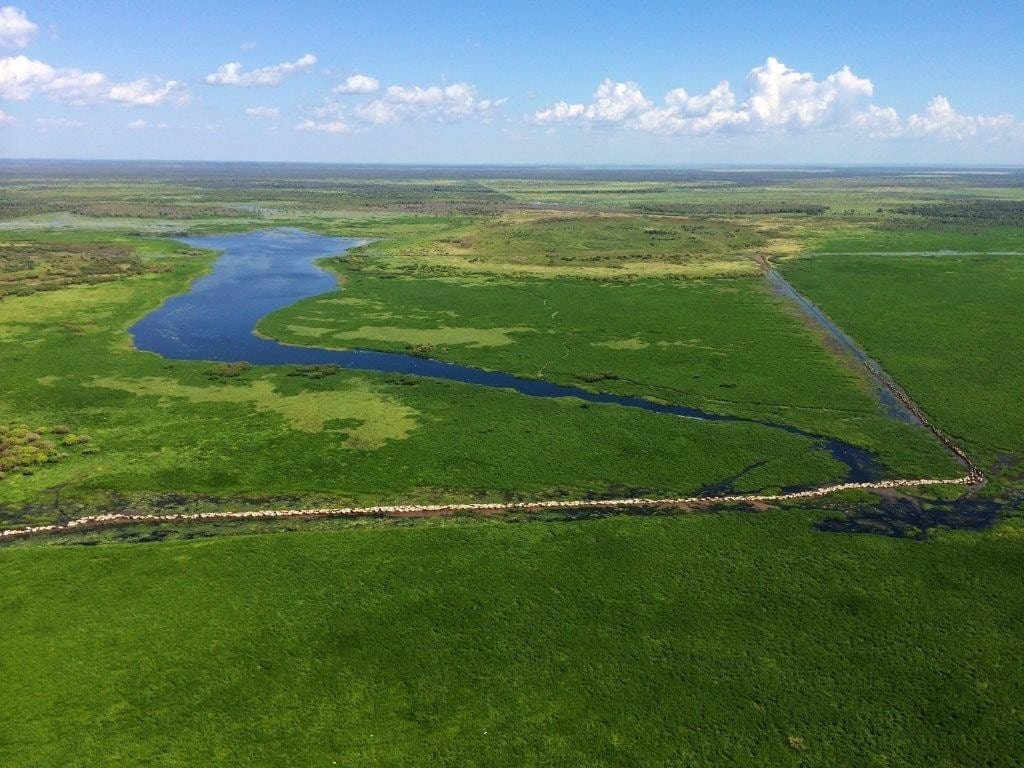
[
  {"x": 921, "y": 237},
  {"x": 735, "y": 639},
  {"x": 161, "y": 427},
  {"x": 950, "y": 329},
  {"x": 723, "y": 345}
]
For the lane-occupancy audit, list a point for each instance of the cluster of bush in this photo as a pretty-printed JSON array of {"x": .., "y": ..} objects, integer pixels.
[
  {"x": 315, "y": 371},
  {"x": 16, "y": 207},
  {"x": 22, "y": 449},
  {"x": 731, "y": 209},
  {"x": 29, "y": 267},
  {"x": 227, "y": 370}
]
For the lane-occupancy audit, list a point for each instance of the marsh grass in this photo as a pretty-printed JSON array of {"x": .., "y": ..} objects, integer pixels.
[{"x": 726, "y": 639}]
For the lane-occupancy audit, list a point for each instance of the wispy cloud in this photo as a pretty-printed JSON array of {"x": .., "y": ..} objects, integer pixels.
[
  {"x": 271, "y": 113},
  {"x": 447, "y": 104},
  {"x": 58, "y": 122},
  {"x": 323, "y": 126},
  {"x": 232, "y": 73}
]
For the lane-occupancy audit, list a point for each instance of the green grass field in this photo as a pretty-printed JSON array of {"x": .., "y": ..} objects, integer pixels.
[
  {"x": 162, "y": 428},
  {"x": 731, "y": 639},
  {"x": 725, "y": 345},
  {"x": 948, "y": 327}
]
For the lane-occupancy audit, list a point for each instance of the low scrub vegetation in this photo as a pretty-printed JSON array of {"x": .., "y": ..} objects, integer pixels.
[
  {"x": 23, "y": 449},
  {"x": 27, "y": 266}
]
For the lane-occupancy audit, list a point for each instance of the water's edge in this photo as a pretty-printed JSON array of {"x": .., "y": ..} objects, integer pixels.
[{"x": 260, "y": 272}]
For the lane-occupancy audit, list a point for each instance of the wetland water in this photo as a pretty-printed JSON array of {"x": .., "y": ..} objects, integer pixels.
[
  {"x": 260, "y": 272},
  {"x": 885, "y": 386}
]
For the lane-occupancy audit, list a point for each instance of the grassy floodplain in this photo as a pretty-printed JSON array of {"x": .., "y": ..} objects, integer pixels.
[
  {"x": 725, "y": 345},
  {"x": 728, "y": 638},
  {"x": 349, "y": 437},
  {"x": 734, "y": 639}
]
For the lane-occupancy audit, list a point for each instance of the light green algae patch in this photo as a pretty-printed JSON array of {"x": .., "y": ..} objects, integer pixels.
[
  {"x": 308, "y": 331},
  {"x": 378, "y": 418},
  {"x": 633, "y": 343},
  {"x": 474, "y": 337}
]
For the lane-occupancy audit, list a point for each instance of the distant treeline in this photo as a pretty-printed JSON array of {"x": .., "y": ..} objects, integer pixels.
[
  {"x": 738, "y": 208},
  {"x": 967, "y": 211},
  {"x": 11, "y": 208},
  {"x": 231, "y": 175}
]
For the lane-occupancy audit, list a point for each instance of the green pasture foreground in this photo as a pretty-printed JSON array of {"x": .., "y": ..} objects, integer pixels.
[{"x": 730, "y": 639}]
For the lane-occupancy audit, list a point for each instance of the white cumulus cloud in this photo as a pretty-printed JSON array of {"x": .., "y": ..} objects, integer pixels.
[
  {"x": 16, "y": 31},
  {"x": 6, "y": 119},
  {"x": 233, "y": 74},
  {"x": 778, "y": 98},
  {"x": 613, "y": 103},
  {"x": 22, "y": 78},
  {"x": 449, "y": 104},
  {"x": 271, "y": 113},
  {"x": 941, "y": 120},
  {"x": 148, "y": 92},
  {"x": 58, "y": 122},
  {"x": 358, "y": 84}
]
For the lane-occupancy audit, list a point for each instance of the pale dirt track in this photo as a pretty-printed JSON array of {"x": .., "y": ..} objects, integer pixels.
[{"x": 437, "y": 510}]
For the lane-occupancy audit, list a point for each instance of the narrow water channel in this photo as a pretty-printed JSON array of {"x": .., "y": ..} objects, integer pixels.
[
  {"x": 261, "y": 272},
  {"x": 884, "y": 385}
]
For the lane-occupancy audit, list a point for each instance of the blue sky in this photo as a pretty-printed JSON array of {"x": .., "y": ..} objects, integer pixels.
[{"x": 481, "y": 82}]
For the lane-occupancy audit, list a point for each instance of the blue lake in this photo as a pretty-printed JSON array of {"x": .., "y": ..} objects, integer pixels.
[{"x": 261, "y": 272}]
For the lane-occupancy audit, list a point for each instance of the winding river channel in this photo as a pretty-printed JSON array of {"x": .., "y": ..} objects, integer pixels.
[{"x": 261, "y": 272}]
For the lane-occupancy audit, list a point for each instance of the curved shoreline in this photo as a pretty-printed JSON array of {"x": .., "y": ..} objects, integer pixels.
[{"x": 181, "y": 330}]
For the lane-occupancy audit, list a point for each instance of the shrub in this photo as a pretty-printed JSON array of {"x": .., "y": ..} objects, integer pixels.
[
  {"x": 21, "y": 449},
  {"x": 315, "y": 371},
  {"x": 228, "y": 370}
]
